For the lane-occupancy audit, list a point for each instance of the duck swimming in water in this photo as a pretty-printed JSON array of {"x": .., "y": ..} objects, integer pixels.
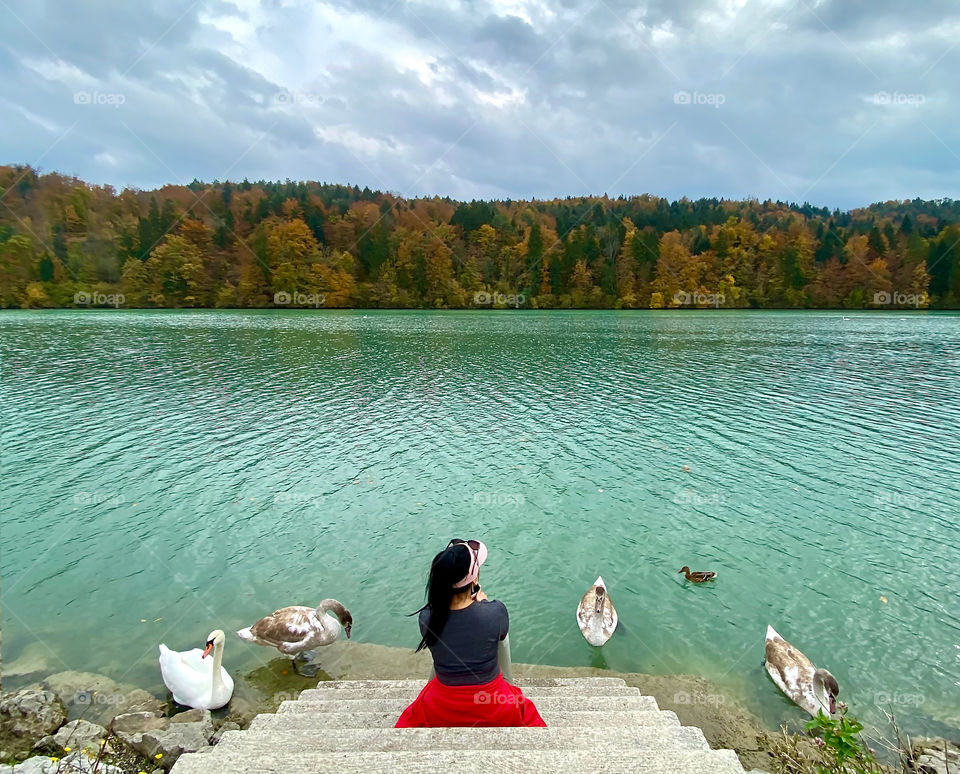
[
  {"x": 596, "y": 615},
  {"x": 698, "y": 577},
  {"x": 296, "y": 630},
  {"x": 806, "y": 686}
]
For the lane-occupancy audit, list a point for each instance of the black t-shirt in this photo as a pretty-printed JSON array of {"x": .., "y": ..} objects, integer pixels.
[{"x": 466, "y": 653}]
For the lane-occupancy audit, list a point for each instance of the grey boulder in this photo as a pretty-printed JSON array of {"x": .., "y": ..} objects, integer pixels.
[
  {"x": 938, "y": 756},
  {"x": 81, "y": 735},
  {"x": 98, "y": 698},
  {"x": 26, "y": 717},
  {"x": 75, "y": 763},
  {"x": 131, "y": 726},
  {"x": 189, "y": 731},
  {"x": 228, "y": 726}
]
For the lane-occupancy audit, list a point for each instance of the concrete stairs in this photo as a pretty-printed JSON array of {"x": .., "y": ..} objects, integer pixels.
[{"x": 594, "y": 725}]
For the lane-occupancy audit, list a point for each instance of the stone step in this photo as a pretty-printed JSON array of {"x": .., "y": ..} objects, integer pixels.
[
  {"x": 523, "y": 682},
  {"x": 300, "y": 758},
  {"x": 302, "y": 713},
  {"x": 408, "y": 694},
  {"x": 548, "y": 703},
  {"x": 266, "y": 738},
  {"x": 547, "y": 682}
]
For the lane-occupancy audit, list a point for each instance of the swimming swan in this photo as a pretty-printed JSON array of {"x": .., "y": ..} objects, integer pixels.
[
  {"x": 193, "y": 680},
  {"x": 596, "y": 616},
  {"x": 805, "y": 685}
]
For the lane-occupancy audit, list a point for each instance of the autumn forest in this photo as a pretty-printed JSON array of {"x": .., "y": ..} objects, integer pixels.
[{"x": 66, "y": 243}]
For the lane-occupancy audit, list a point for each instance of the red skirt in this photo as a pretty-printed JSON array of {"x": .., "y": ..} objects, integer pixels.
[{"x": 496, "y": 703}]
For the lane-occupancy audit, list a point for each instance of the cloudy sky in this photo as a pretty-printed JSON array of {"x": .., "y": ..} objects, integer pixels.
[{"x": 836, "y": 102}]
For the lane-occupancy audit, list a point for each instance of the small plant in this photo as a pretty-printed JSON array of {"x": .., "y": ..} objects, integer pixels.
[
  {"x": 841, "y": 743},
  {"x": 836, "y": 747}
]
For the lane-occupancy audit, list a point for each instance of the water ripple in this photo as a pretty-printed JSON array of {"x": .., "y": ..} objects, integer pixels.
[{"x": 197, "y": 469}]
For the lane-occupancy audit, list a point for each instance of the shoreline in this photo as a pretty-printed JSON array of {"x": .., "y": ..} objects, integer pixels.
[
  {"x": 845, "y": 311},
  {"x": 697, "y": 701},
  {"x": 725, "y": 722}
]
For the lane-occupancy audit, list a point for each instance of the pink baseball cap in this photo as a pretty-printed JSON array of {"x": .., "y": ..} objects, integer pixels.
[{"x": 478, "y": 555}]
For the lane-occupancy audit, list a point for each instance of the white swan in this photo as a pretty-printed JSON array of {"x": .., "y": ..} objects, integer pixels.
[
  {"x": 596, "y": 615},
  {"x": 806, "y": 686},
  {"x": 192, "y": 679},
  {"x": 298, "y": 629}
]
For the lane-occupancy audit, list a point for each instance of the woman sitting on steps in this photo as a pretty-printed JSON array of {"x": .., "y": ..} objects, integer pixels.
[{"x": 462, "y": 628}]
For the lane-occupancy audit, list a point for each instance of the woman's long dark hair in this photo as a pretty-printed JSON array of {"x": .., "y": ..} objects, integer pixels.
[{"x": 448, "y": 567}]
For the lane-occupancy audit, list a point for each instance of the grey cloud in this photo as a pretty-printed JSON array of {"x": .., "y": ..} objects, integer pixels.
[
  {"x": 510, "y": 39},
  {"x": 854, "y": 22},
  {"x": 797, "y": 118}
]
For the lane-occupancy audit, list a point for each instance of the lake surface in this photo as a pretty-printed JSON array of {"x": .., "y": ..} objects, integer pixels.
[{"x": 166, "y": 473}]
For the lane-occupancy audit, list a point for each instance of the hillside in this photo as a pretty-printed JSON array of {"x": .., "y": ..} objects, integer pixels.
[{"x": 65, "y": 243}]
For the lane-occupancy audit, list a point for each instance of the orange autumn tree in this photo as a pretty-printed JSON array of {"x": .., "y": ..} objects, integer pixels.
[{"x": 237, "y": 244}]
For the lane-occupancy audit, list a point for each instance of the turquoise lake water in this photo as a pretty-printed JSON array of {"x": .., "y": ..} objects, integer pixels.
[{"x": 204, "y": 468}]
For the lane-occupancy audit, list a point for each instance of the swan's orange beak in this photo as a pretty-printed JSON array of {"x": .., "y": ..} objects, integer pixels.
[{"x": 206, "y": 650}]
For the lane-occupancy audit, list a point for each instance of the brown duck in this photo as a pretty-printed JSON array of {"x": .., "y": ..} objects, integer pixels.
[{"x": 697, "y": 577}]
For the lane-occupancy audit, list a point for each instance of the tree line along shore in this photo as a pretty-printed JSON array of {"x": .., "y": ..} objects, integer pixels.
[{"x": 66, "y": 243}]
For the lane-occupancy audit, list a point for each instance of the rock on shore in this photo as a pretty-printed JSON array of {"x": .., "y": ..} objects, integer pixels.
[
  {"x": 75, "y": 763},
  {"x": 82, "y": 735},
  {"x": 98, "y": 698},
  {"x": 152, "y": 735},
  {"x": 937, "y": 754},
  {"x": 25, "y": 717}
]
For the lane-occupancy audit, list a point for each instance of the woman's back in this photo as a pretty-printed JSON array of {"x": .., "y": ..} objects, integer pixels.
[
  {"x": 463, "y": 629},
  {"x": 466, "y": 651}
]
